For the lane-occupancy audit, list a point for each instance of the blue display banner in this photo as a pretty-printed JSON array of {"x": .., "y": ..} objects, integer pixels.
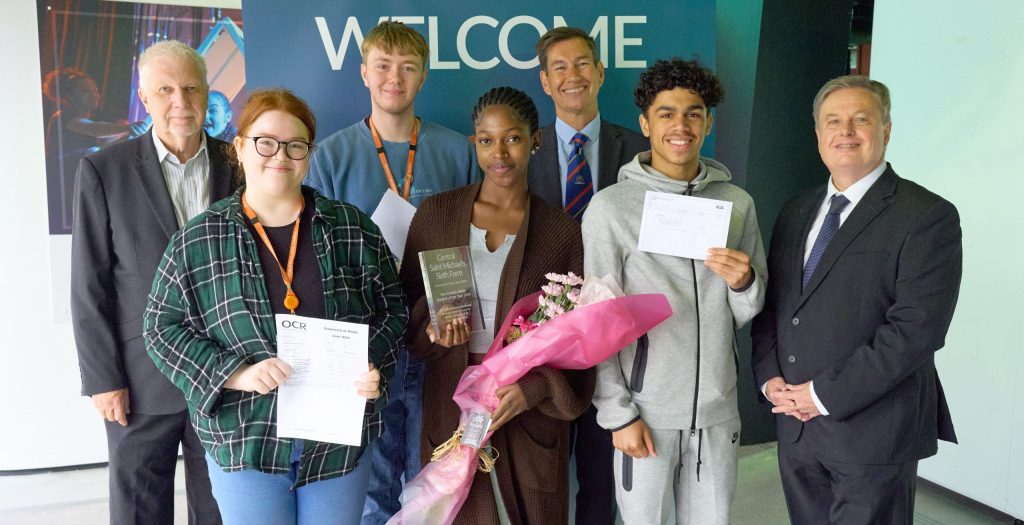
[{"x": 312, "y": 48}]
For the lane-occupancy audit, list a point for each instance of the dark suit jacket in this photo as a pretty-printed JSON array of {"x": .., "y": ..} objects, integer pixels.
[
  {"x": 867, "y": 326},
  {"x": 123, "y": 220},
  {"x": 617, "y": 147}
]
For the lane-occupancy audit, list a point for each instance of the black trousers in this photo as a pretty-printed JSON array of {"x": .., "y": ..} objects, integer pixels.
[
  {"x": 143, "y": 457},
  {"x": 595, "y": 501},
  {"x": 820, "y": 491}
]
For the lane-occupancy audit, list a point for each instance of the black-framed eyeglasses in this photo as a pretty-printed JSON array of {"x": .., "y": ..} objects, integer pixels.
[{"x": 269, "y": 146}]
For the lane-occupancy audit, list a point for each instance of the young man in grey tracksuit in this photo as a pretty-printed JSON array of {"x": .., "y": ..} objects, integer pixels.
[{"x": 670, "y": 398}]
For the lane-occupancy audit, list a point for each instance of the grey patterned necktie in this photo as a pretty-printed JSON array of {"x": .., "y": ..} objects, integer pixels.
[{"x": 828, "y": 231}]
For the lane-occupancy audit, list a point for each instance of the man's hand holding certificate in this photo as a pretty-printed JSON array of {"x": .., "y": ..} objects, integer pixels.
[{"x": 320, "y": 399}]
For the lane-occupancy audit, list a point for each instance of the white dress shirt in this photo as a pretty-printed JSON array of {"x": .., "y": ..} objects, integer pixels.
[
  {"x": 854, "y": 194},
  {"x": 188, "y": 184}
]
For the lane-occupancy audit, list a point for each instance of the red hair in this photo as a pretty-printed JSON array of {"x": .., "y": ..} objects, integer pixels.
[{"x": 264, "y": 100}]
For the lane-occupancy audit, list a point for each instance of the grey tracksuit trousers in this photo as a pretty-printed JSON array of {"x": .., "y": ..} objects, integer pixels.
[{"x": 650, "y": 490}]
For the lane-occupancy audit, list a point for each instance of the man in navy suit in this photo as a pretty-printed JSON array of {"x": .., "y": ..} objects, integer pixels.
[
  {"x": 571, "y": 75},
  {"x": 864, "y": 277},
  {"x": 129, "y": 199}
]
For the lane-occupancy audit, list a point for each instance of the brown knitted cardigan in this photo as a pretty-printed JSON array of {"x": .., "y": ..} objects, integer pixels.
[{"x": 533, "y": 448}]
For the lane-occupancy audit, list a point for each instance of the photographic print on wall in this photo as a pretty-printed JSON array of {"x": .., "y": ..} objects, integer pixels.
[{"x": 88, "y": 52}]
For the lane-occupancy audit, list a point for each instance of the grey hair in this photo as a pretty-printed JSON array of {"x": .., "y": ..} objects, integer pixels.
[
  {"x": 176, "y": 49},
  {"x": 854, "y": 81}
]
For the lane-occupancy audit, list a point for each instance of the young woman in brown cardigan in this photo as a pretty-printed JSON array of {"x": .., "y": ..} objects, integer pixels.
[{"x": 534, "y": 414}]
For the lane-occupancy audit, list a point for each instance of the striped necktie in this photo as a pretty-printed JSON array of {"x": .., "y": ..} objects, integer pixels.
[
  {"x": 828, "y": 231},
  {"x": 579, "y": 185}
]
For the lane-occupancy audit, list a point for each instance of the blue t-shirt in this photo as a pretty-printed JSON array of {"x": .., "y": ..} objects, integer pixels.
[{"x": 345, "y": 165}]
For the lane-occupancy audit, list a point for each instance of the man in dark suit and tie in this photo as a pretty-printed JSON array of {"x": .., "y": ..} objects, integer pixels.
[
  {"x": 580, "y": 154},
  {"x": 864, "y": 274},
  {"x": 129, "y": 199}
]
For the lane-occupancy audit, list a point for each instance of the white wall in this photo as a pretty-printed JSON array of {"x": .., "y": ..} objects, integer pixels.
[
  {"x": 956, "y": 71},
  {"x": 46, "y": 422}
]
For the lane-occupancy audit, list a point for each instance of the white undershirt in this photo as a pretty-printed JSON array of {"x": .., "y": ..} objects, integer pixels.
[{"x": 487, "y": 268}]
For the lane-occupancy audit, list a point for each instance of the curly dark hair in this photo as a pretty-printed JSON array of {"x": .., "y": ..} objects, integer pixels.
[
  {"x": 519, "y": 102},
  {"x": 666, "y": 75}
]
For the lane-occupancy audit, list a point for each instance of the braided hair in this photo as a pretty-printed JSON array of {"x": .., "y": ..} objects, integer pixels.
[{"x": 519, "y": 102}]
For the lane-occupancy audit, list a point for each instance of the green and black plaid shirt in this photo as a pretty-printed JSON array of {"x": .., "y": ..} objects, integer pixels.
[{"x": 209, "y": 313}]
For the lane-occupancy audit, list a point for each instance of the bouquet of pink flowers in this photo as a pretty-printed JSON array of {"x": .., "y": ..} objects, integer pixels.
[
  {"x": 561, "y": 294},
  {"x": 570, "y": 324}
]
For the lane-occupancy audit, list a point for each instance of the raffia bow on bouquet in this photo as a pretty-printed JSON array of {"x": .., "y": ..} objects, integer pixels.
[{"x": 600, "y": 324}]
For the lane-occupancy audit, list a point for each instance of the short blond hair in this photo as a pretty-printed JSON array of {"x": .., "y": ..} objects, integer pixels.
[
  {"x": 396, "y": 38},
  {"x": 174, "y": 49}
]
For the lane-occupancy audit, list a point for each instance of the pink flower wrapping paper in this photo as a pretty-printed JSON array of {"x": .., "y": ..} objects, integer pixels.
[{"x": 577, "y": 339}]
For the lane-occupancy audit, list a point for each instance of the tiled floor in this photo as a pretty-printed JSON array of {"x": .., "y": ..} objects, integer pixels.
[
  {"x": 759, "y": 497},
  {"x": 80, "y": 497}
]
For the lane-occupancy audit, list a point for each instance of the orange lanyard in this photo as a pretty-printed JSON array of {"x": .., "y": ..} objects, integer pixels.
[
  {"x": 291, "y": 301},
  {"x": 407, "y": 187}
]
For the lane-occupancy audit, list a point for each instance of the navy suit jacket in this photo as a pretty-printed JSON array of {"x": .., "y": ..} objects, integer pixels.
[
  {"x": 617, "y": 147},
  {"x": 123, "y": 220},
  {"x": 867, "y": 326}
]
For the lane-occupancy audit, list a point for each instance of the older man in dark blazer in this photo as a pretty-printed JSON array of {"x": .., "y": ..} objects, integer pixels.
[
  {"x": 129, "y": 199},
  {"x": 864, "y": 274},
  {"x": 580, "y": 153}
]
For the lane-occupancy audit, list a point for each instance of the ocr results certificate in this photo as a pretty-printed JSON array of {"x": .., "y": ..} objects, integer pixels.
[{"x": 318, "y": 401}]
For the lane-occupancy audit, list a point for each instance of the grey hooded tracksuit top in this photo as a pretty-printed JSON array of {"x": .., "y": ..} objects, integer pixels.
[{"x": 656, "y": 378}]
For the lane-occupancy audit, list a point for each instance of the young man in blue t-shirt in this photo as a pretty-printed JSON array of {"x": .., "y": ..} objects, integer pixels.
[{"x": 419, "y": 159}]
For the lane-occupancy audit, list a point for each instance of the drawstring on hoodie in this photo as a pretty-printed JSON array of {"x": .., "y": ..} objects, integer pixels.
[{"x": 700, "y": 447}]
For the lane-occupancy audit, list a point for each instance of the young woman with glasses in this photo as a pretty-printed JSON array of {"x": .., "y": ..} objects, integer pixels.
[{"x": 274, "y": 247}]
